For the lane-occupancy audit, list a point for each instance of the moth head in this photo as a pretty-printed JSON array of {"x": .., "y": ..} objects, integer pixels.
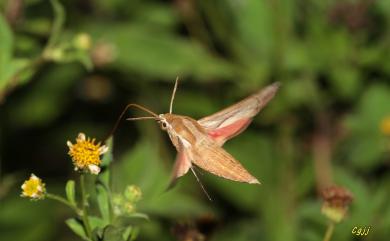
[{"x": 162, "y": 120}]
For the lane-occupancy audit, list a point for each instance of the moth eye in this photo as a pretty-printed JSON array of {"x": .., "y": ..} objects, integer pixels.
[{"x": 164, "y": 125}]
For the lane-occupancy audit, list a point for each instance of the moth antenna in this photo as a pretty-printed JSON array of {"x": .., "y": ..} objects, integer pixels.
[
  {"x": 201, "y": 185},
  {"x": 173, "y": 95},
  {"x": 142, "y": 118},
  {"x": 124, "y": 112}
]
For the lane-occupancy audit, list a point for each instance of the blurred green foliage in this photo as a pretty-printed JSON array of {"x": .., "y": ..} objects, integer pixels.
[{"x": 326, "y": 125}]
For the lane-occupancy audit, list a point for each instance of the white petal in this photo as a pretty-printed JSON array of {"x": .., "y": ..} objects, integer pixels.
[
  {"x": 103, "y": 149},
  {"x": 81, "y": 136},
  {"x": 34, "y": 177},
  {"x": 69, "y": 144},
  {"x": 23, "y": 186},
  {"x": 94, "y": 169}
]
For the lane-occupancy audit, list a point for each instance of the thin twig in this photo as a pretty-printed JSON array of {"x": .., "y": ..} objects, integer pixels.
[{"x": 63, "y": 201}]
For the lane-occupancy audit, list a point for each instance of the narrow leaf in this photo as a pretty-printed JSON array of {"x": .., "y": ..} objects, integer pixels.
[
  {"x": 70, "y": 192},
  {"x": 97, "y": 222},
  {"x": 103, "y": 202},
  {"x": 77, "y": 228},
  {"x": 107, "y": 158},
  {"x": 127, "y": 233},
  {"x": 139, "y": 216},
  {"x": 131, "y": 220},
  {"x": 134, "y": 234},
  {"x": 112, "y": 233},
  {"x": 85, "y": 60},
  {"x": 104, "y": 176}
]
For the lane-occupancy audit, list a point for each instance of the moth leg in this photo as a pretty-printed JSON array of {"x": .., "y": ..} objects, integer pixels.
[
  {"x": 198, "y": 170},
  {"x": 200, "y": 183}
]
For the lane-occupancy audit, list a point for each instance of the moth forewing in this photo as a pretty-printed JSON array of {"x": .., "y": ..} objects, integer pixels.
[{"x": 209, "y": 156}]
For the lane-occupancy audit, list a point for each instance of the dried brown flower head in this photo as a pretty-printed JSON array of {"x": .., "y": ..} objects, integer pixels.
[{"x": 336, "y": 202}]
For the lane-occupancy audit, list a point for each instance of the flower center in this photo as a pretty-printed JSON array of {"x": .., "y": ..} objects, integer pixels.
[
  {"x": 31, "y": 187},
  {"x": 85, "y": 152}
]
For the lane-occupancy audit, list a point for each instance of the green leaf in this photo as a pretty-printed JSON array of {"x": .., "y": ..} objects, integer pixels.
[
  {"x": 346, "y": 81},
  {"x": 77, "y": 228},
  {"x": 131, "y": 219},
  {"x": 258, "y": 38},
  {"x": 296, "y": 97},
  {"x": 21, "y": 69},
  {"x": 6, "y": 48},
  {"x": 103, "y": 202},
  {"x": 70, "y": 192},
  {"x": 97, "y": 222},
  {"x": 84, "y": 58},
  {"x": 163, "y": 56},
  {"x": 112, "y": 233},
  {"x": 108, "y": 157},
  {"x": 157, "y": 15},
  {"x": 11, "y": 69},
  {"x": 133, "y": 234},
  {"x": 25, "y": 220},
  {"x": 141, "y": 166},
  {"x": 73, "y": 55},
  {"x": 139, "y": 215},
  {"x": 367, "y": 144},
  {"x": 45, "y": 101},
  {"x": 104, "y": 176},
  {"x": 127, "y": 232}
]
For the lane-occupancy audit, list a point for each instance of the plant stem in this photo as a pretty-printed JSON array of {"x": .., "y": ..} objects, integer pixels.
[
  {"x": 84, "y": 201},
  {"x": 329, "y": 232},
  {"x": 63, "y": 201},
  {"x": 58, "y": 23}
]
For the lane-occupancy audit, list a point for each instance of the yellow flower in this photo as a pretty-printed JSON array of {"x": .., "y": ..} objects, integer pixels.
[
  {"x": 33, "y": 188},
  {"x": 385, "y": 126},
  {"x": 86, "y": 154}
]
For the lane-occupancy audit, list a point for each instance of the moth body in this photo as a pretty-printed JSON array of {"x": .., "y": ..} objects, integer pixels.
[{"x": 182, "y": 128}]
